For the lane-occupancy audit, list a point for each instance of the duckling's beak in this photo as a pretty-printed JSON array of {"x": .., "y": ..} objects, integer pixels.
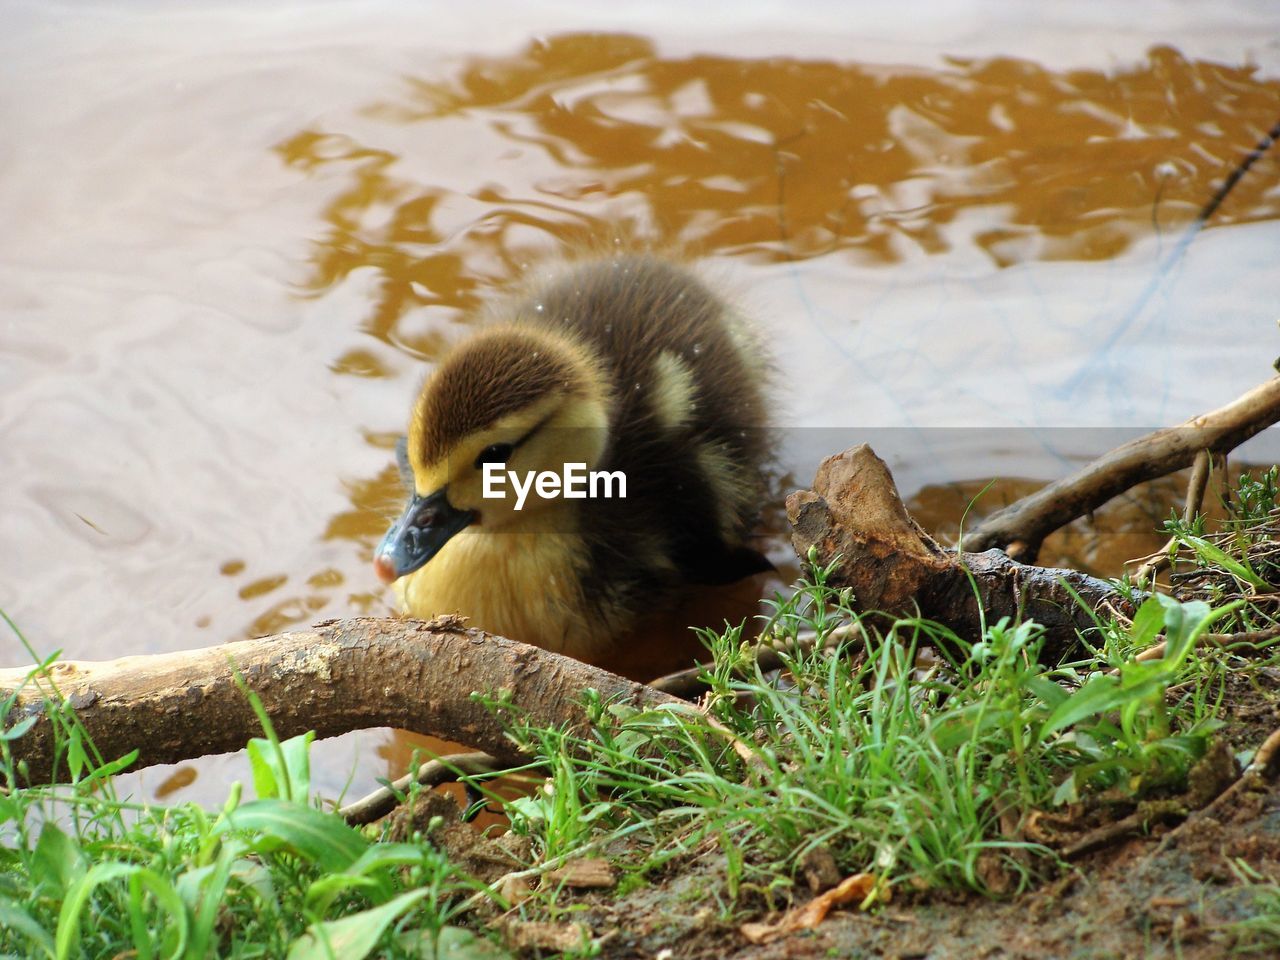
[{"x": 425, "y": 526}]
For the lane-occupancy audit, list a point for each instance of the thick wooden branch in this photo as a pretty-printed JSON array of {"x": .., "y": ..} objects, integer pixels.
[
  {"x": 1023, "y": 526},
  {"x": 339, "y": 676},
  {"x": 855, "y": 517}
]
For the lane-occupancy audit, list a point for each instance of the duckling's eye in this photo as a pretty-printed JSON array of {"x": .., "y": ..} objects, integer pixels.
[{"x": 495, "y": 453}]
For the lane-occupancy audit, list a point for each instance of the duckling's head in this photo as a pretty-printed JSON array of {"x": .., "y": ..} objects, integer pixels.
[{"x": 512, "y": 398}]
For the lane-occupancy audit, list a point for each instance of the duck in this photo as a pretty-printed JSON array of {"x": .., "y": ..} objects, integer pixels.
[{"x": 595, "y": 447}]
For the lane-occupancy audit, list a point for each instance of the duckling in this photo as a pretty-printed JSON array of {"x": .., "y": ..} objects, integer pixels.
[{"x": 629, "y": 369}]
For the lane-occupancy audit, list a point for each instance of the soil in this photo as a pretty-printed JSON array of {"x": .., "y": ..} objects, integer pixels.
[
  {"x": 1178, "y": 891},
  {"x": 1132, "y": 900},
  {"x": 1137, "y": 898}
]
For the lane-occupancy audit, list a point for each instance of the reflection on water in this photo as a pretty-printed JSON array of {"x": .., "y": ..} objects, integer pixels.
[
  {"x": 786, "y": 159},
  {"x": 204, "y": 376}
]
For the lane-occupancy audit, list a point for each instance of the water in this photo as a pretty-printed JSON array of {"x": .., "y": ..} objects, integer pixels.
[{"x": 235, "y": 236}]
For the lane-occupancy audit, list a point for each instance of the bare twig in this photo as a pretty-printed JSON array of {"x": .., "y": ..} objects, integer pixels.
[
  {"x": 1234, "y": 642},
  {"x": 1255, "y": 775},
  {"x": 430, "y": 774},
  {"x": 1259, "y": 768},
  {"x": 1196, "y": 486},
  {"x": 1033, "y": 518},
  {"x": 1153, "y": 811},
  {"x": 689, "y": 684}
]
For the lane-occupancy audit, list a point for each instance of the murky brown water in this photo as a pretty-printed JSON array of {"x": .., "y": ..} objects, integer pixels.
[{"x": 234, "y": 239}]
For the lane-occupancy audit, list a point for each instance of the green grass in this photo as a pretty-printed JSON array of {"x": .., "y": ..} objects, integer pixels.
[
  {"x": 1259, "y": 933},
  {"x": 1240, "y": 559},
  {"x": 920, "y": 771},
  {"x": 902, "y": 750},
  {"x": 86, "y": 874}
]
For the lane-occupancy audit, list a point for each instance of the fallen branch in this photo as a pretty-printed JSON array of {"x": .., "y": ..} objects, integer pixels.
[
  {"x": 1023, "y": 526},
  {"x": 853, "y": 517},
  {"x": 339, "y": 676}
]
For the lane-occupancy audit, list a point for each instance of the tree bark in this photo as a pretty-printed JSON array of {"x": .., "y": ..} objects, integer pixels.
[
  {"x": 339, "y": 676},
  {"x": 853, "y": 517}
]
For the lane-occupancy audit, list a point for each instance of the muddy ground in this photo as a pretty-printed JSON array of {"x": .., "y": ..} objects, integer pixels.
[
  {"x": 1135, "y": 899},
  {"x": 1176, "y": 889}
]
